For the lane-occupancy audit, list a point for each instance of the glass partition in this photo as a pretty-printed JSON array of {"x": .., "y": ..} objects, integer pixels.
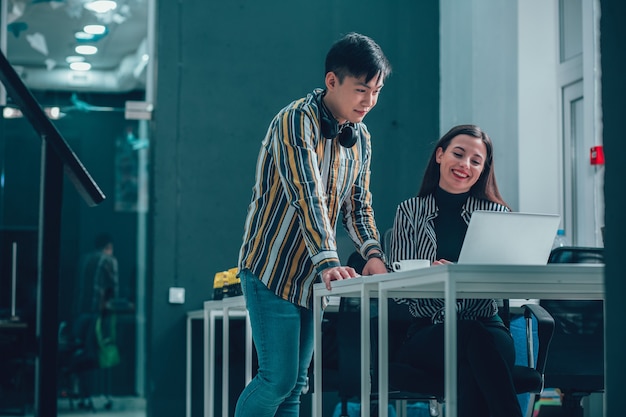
[{"x": 103, "y": 114}]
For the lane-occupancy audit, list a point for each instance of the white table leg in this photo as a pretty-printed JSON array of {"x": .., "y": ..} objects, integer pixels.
[
  {"x": 225, "y": 359},
  {"x": 210, "y": 365},
  {"x": 365, "y": 353},
  {"x": 317, "y": 356},
  {"x": 450, "y": 334},
  {"x": 383, "y": 354},
  {"x": 188, "y": 371},
  {"x": 207, "y": 369}
]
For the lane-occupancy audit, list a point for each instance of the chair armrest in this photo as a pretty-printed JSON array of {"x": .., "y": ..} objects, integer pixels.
[{"x": 545, "y": 330}]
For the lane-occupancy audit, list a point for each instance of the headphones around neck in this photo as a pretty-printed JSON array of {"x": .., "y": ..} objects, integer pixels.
[{"x": 346, "y": 133}]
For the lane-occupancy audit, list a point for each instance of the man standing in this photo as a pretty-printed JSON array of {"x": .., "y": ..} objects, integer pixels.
[
  {"x": 313, "y": 167},
  {"x": 97, "y": 286},
  {"x": 100, "y": 282}
]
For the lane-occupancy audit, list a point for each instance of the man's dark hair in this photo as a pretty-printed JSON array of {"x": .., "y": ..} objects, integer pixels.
[{"x": 357, "y": 55}]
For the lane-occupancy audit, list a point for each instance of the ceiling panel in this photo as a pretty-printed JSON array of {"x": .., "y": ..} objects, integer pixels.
[{"x": 40, "y": 35}]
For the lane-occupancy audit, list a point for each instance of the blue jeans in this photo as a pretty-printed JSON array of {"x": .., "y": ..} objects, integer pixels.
[{"x": 283, "y": 338}]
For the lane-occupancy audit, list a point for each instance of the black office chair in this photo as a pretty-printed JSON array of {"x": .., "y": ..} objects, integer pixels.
[
  {"x": 77, "y": 359},
  {"x": 576, "y": 365},
  {"x": 386, "y": 240}
]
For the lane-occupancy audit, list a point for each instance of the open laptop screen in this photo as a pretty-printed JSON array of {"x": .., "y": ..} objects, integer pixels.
[{"x": 509, "y": 238}]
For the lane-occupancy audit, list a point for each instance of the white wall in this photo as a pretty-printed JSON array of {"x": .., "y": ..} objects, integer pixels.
[
  {"x": 539, "y": 107},
  {"x": 498, "y": 65},
  {"x": 479, "y": 79},
  {"x": 500, "y": 70}
]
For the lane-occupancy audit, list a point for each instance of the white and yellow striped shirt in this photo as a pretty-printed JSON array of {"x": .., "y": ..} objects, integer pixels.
[{"x": 304, "y": 184}]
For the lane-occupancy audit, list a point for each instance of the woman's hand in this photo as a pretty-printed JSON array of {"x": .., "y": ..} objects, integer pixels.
[{"x": 442, "y": 262}]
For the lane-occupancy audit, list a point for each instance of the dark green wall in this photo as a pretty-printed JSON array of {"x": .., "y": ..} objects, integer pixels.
[
  {"x": 612, "y": 43},
  {"x": 224, "y": 69}
]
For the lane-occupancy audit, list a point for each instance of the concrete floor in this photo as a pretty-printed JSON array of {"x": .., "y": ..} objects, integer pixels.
[{"x": 120, "y": 407}]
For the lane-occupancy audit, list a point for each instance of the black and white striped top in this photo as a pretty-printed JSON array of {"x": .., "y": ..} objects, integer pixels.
[{"x": 414, "y": 237}]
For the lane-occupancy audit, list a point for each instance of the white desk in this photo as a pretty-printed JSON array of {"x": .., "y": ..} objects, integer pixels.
[
  {"x": 227, "y": 308},
  {"x": 555, "y": 281}
]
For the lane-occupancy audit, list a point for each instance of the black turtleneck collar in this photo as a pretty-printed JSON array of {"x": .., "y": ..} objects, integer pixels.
[
  {"x": 450, "y": 227},
  {"x": 449, "y": 201}
]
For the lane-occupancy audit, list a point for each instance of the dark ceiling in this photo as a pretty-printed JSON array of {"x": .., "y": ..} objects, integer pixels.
[{"x": 40, "y": 35}]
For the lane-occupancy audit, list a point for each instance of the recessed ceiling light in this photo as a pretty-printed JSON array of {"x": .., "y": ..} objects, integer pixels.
[
  {"x": 101, "y": 6},
  {"x": 74, "y": 58},
  {"x": 84, "y": 36},
  {"x": 95, "y": 29},
  {"x": 53, "y": 113},
  {"x": 86, "y": 49},
  {"x": 80, "y": 66},
  {"x": 11, "y": 113}
]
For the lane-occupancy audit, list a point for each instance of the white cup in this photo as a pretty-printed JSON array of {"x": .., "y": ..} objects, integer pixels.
[{"x": 408, "y": 264}]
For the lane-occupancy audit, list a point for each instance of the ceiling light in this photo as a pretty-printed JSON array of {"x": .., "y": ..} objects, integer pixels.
[
  {"x": 101, "y": 6},
  {"x": 11, "y": 113},
  {"x": 84, "y": 36},
  {"x": 95, "y": 29},
  {"x": 86, "y": 49},
  {"x": 74, "y": 58},
  {"x": 53, "y": 113},
  {"x": 80, "y": 66},
  {"x": 91, "y": 33}
]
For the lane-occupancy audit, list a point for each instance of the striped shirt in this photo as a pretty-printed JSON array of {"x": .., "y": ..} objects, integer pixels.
[
  {"x": 304, "y": 183},
  {"x": 413, "y": 237}
]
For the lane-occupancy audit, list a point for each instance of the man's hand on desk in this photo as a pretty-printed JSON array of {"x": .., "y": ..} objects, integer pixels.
[
  {"x": 374, "y": 266},
  {"x": 337, "y": 273}
]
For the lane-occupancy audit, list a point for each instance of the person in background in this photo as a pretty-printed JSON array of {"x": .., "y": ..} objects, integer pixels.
[
  {"x": 313, "y": 169},
  {"x": 100, "y": 281},
  {"x": 458, "y": 180},
  {"x": 97, "y": 286}
]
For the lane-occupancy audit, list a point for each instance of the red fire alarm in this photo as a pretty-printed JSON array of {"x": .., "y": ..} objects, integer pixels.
[{"x": 596, "y": 155}]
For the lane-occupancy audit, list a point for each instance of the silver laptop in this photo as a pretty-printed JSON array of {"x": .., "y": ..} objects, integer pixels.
[{"x": 509, "y": 238}]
